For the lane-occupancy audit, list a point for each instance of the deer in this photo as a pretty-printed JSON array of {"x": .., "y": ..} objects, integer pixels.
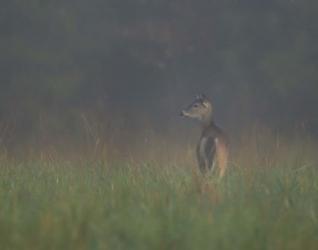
[{"x": 212, "y": 149}]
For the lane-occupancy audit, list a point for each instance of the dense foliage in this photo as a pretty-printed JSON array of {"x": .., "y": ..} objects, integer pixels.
[{"x": 50, "y": 204}]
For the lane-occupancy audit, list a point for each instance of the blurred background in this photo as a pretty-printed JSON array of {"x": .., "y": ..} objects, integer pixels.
[{"x": 120, "y": 71}]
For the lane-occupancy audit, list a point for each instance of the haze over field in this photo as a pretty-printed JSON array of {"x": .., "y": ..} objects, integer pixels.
[
  {"x": 94, "y": 154},
  {"x": 135, "y": 64}
]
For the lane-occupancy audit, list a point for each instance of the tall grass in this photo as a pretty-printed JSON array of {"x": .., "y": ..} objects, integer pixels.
[{"x": 156, "y": 199}]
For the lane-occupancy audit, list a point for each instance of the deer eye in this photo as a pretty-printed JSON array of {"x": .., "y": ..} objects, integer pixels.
[{"x": 196, "y": 105}]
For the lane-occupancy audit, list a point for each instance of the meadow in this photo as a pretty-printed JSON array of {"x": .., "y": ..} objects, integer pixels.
[{"x": 267, "y": 200}]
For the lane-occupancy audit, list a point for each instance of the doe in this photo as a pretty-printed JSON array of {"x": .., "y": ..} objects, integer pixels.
[{"x": 212, "y": 148}]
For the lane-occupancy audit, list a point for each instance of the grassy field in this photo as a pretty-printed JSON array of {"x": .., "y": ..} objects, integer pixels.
[{"x": 268, "y": 200}]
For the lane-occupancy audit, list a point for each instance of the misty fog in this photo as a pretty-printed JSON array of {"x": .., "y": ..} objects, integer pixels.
[{"x": 133, "y": 65}]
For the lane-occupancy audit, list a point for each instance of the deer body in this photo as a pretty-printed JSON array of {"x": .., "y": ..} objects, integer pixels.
[{"x": 212, "y": 148}]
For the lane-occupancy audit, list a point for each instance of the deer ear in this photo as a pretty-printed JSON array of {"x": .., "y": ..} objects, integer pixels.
[{"x": 201, "y": 97}]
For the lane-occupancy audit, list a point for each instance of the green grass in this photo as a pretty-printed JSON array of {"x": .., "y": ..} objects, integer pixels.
[{"x": 64, "y": 205}]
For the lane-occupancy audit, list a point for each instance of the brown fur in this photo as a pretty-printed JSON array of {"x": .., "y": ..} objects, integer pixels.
[
  {"x": 222, "y": 155},
  {"x": 212, "y": 148},
  {"x": 221, "y": 146}
]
